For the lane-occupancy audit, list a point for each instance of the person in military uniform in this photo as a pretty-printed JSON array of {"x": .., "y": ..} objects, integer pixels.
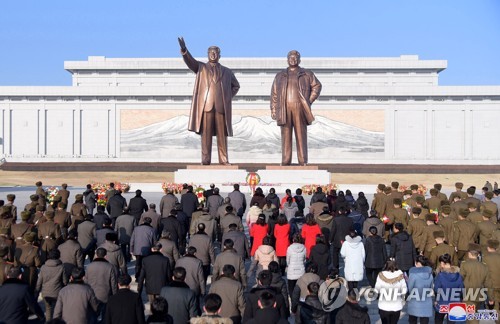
[
  {"x": 464, "y": 233},
  {"x": 18, "y": 230},
  {"x": 78, "y": 212},
  {"x": 458, "y": 192},
  {"x": 433, "y": 203},
  {"x": 419, "y": 202},
  {"x": 42, "y": 194},
  {"x": 442, "y": 248},
  {"x": 49, "y": 234},
  {"x": 6, "y": 219},
  {"x": 440, "y": 195},
  {"x": 416, "y": 228},
  {"x": 486, "y": 229},
  {"x": 388, "y": 199},
  {"x": 378, "y": 202},
  {"x": 64, "y": 193},
  {"x": 27, "y": 258},
  {"x": 415, "y": 194},
  {"x": 490, "y": 205},
  {"x": 475, "y": 276},
  {"x": 475, "y": 215},
  {"x": 53, "y": 204},
  {"x": 407, "y": 198},
  {"x": 37, "y": 218},
  {"x": 5, "y": 240},
  {"x": 10, "y": 202},
  {"x": 429, "y": 230},
  {"x": 492, "y": 260},
  {"x": 31, "y": 207},
  {"x": 446, "y": 223},
  {"x": 4, "y": 264},
  {"x": 397, "y": 214},
  {"x": 395, "y": 193},
  {"x": 471, "y": 191},
  {"x": 62, "y": 218}
]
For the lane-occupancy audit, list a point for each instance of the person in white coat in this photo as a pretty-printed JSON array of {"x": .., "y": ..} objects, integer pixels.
[
  {"x": 353, "y": 252},
  {"x": 391, "y": 288},
  {"x": 295, "y": 260}
]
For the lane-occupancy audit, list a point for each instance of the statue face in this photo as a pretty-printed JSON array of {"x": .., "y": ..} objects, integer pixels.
[
  {"x": 213, "y": 54},
  {"x": 293, "y": 60}
]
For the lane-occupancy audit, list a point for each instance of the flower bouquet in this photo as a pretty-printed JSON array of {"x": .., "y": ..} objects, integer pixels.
[
  {"x": 175, "y": 188},
  {"x": 199, "y": 191},
  {"x": 51, "y": 194}
]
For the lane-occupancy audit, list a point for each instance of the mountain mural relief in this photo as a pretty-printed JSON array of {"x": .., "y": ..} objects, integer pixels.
[{"x": 259, "y": 136}]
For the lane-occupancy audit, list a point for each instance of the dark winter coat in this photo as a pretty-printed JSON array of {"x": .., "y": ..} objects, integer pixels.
[
  {"x": 320, "y": 254},
  {"x": 115, "y": 256},
  {"x": 375, "y": 252},
  {"x": 137, "y": 206},
  {"x": 352, "y": 313},
  {"x": 189, "y": 203},
  {"x": 143, "y": 238},
  {"x": 15, "y": 298},
  {"x": 125, "y": 307},
  {"x": 124, "y": 226},
  {"x": 75, "y": 303},
  {"x": 182, "y": 301},
  {"x": 71, "y": 256},
  {"x": 194, "y": 274},
  {"x": 311, "y": 311},
  {"x": 341, "y": 227},
  {"x": 403, "y": 249},
  {"x": 51, "y": 278},
  {"x": 252, "y": 299},
  {"x": 172, "y": 225},
  {"x": 99, "y": 219},
  {"x": 156, "y": 272},
  {"x": 116, "y": 205}
]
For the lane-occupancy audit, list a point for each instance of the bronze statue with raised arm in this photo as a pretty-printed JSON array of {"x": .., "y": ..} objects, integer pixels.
[
  {"x": 294, "y": 90},
  {"x": 215, "y": 87}
]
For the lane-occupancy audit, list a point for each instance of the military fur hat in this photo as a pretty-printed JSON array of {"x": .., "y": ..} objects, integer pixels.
[
  {"x": 407, "y": 192},
  {"x": 459, "y": 185},
  {"x": 463, "y": 212},
  {"x": 381, "y": 186},
  {"x": 493, "y": 244},
  {"x": 420, "y": 199},
  {"x": 25, "y": 215},
  {"x": 416, "y": 210},
  {"x": 34, "y": 197},
  {"x": 430, "y": 217},
  {"x": 487, "y": 213},
  {"x": 11, "y": 197},
  {"x": 438, "y": 186},
  {"x": 446, "y": 209},
  {"x": 433, "y": 192},
  {"x": 78, "y": 197},
  {"x": 57, "y": 199},
  {"x": 397, "y": 201},
  {"x": 471, "y": 205},
  {"x": 474, "y": 247},
  {"x": 438, "y": 234},
  {"x": 395, "y": 184},
  {"x": 29, "y": 237},
  {"x": 387, "y": 190},
  {"x": 49, "y": 214},
  {"x": 414, "y": 187},
  {"x": 488, "y": 194}
]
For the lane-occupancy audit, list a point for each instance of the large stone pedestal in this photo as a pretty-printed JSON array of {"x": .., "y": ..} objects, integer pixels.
[
  {"x": 292, "y": 177},
  {"x": 222, "y": 176}
]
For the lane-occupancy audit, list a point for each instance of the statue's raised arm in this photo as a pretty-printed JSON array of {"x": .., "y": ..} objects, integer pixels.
[{"x": 182, "y": 44}]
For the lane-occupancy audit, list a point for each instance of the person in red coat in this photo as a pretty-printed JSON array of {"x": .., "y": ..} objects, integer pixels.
[
  {"x": 309, "y": 232},
  {"x": 282, "y": 236},
  {"x": 257, "y": 232}
]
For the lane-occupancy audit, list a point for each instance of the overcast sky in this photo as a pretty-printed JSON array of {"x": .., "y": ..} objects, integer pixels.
[{"x": 36, "y": 37}]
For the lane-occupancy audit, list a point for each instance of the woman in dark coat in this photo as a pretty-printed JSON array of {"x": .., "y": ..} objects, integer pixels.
[
  {"x": 258, "y": 198},
  {"x": 362, "y": 204},
  {"x": 376, "y": 255},
  {"x": 321, "y": 256}
]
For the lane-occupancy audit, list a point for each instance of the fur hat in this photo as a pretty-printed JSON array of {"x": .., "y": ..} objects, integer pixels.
[
  {"x": 493, "y": 244},
  {"x": 397, "y": 201},
  {"x": 463, "y": 212},
  {"x": 438, "y": 186},
  {"x": 29, "y": 237},
  {"x": 416, "y": 210},
  {"x": 437, "y": 234},
  {"x": 420, "y": 200},
  {"x": 446, "y": 209},
  {"x": 430, "y": 218},
  {"x": 487, "y": 213},
  {"x": 34, "y": 197},
  {"x": 474, "y": 247},
  {"x": 25, "y": 215},
  {"x": 414, "y": 187},
  {"x": 381, "y": 186},
  {"x": 459, "y": 185}
]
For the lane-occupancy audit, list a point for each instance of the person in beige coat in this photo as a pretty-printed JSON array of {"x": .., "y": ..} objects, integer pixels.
[
  {"x": 231, "y": 292},
  {"x": 264, "y": 255}
]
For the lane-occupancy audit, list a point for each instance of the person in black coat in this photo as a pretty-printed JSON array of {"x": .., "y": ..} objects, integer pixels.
[
  {"x": 402, "y": 248},
  {"x": 340, "y": 229},
  {"x": 155, "y": 271},
  {"x": 137, "y": 206},
  {"x": 264, "y": 286},
  {"x": 299, "y": 200},
  {"x": 320, "y": 254},
  {"x": 15, "y": 298},
  {"x": 182, "y": 301},
  {"x": 115, "y": 206},
  {"x": 189, "y": 202},
  {"x": 185, "y": 222},
  {"x": 267, "y": 312},
  {"x": 352, "y": 312},
  {"x": 376, "y": 255},
  {"x": 100, "y": 217},
  {"x": 171, "y": 224},
  {"x": 125, "y": 307}
]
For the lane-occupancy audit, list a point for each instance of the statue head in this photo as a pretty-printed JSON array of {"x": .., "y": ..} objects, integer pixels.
[
  {"x": 293, "y": 58},
  {"x": 213, "y": 54}
]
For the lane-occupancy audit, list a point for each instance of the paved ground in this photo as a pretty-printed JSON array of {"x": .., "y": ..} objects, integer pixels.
[{"x": 23, "y": 192}]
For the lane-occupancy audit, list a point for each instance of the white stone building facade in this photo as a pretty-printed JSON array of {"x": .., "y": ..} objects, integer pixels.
[{"x": 371, "y": 110}]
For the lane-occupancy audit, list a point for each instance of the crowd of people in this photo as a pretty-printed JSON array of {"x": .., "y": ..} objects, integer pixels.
[{"x": 223, "y": 261}]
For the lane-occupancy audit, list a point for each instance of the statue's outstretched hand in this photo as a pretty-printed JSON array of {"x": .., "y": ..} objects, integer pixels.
[
  {"x": 273, "y": 115},
  {"x": 182, "y": 44}
]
